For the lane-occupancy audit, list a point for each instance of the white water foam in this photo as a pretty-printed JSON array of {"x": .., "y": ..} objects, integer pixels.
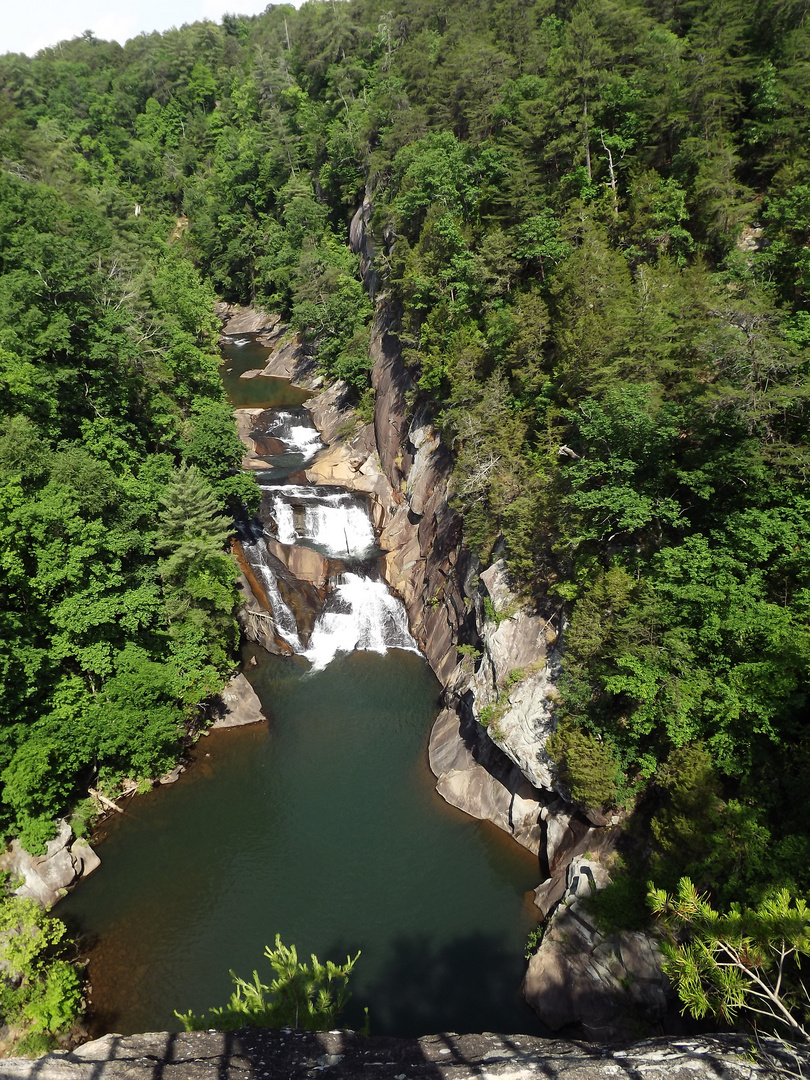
[
  {"x": 362, "y": 614},
  {"x": 298, "y": 438},
  {"x": 336, "y": 523},
  {"x": 257, "y": 555}
]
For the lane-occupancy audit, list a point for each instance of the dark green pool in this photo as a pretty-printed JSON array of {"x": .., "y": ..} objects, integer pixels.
[
  {"x": 258, "y": 392},
  {"x": 322, "y": 826}
]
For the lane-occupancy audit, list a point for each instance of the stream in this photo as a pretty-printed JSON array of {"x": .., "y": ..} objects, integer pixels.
[{"x": 322, "y": 825}]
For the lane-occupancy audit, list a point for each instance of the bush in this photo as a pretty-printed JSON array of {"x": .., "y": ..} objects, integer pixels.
[
  {"x": 309, "y": 997},
  {"x": 40, "y": 992},
  {"x": 586, "y": 765}
]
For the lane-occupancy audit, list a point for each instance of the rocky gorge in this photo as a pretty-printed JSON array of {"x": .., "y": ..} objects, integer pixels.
[{"x": 496, "y": 656}]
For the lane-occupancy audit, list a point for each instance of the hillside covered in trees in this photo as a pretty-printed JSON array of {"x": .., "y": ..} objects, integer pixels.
[{"x": 594, "y": 220}]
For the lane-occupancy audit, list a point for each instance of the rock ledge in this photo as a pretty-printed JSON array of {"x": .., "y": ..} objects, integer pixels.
[{"x": 342, "y": 1055}]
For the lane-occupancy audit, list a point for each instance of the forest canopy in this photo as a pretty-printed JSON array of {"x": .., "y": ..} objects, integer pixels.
[{"x": 593, "y": 219}]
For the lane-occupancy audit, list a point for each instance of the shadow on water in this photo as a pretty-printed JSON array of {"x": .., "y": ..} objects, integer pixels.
[{"x": 471, "y": 983}]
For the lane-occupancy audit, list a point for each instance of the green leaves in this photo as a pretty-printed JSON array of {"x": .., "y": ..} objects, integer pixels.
[
  {"x": 746, "y": 961},
  {"x": 40, "y": 993},
  {"x": 305, "y": 996}
]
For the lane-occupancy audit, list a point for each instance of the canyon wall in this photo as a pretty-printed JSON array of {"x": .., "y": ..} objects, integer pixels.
[{"x": 496, "y": 655}]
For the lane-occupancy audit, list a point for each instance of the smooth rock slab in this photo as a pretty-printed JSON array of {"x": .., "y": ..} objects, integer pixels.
[
  {"x": 239, "y": 705},
  {"x": 338, "y": 1055}
]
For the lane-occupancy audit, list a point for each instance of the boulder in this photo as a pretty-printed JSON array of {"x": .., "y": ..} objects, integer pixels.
[
  {"x": 607, "y": 985},
  {"x": 47, "y": 878},
  {"x": 237, "y": 705},
  {"x": 302, "y": 562},
  {"x": 238, "y": 320},
  {"x": 289, "y": 359}
]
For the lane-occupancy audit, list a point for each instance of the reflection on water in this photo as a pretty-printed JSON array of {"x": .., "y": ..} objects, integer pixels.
[
  {"x": 259, "y": 392},
  {"x": 322, "y": 826}
]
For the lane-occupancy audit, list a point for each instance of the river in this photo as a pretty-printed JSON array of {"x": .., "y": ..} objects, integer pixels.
[{"x": 322, "y": 826}]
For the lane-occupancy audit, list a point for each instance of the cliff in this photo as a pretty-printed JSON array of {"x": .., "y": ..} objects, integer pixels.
[{"x": 487, "y": 746}]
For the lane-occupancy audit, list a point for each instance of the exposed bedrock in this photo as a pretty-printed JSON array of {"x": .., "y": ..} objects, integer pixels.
[
  {"x": 606, "y": 984},
  {"x": 343, "y": 1055},
  {"x": 47, "y": 878}
]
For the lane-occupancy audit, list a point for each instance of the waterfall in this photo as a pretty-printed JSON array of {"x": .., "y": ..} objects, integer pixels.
[
  {"x": 295, "y": 429},
  {"x": 360, "y": 612},
  {"x": 257, "y": 555},
  {"x": 337, "y": 523}
]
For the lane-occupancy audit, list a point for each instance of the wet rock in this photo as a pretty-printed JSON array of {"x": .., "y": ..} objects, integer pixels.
[
  {"x": 302, "y": 562},
  {"x": 254, "y": 613},
  {"x": 245, "y": 424},
  {"x": 173, "y": 776},
  {"x": 237, "y": 704},
  {"x": 47, "y": 878},
  {"x": 344, "y": 1055}
]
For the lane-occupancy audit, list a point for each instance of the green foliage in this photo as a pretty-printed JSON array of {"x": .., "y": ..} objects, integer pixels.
[
  {"x": 534, "y": 940},
  {"x": 586, "y": 765},
  {"x": 622, "y": 904},
  {"x": 593, "y": 228},
  {"x": 109, "y": 372},
  {"x": 747, "y": 961},
  {"x": 40, "y": 992},
  {"x": 303, "y": 996}
]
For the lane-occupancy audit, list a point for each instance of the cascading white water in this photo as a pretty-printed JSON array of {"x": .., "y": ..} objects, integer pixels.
[
  {"x": 299, "y": 437},
  {"x": 362, "y": 614},
  {"x": 257, "y": 555},
  {"x": 336, "y": 523}
]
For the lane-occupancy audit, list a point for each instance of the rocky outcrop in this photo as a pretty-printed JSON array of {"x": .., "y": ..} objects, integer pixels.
[
  {"x": 238, "y": 321},
  {"x": 237, "y": 705},
  {"x": 477, "y": 779},
  {"x": 47, "y": 878},
  {"x": 362, "y": 243},
  {"x": 608, "y": 985},
  {"x": 245, "y": 425},
  {"x": 516, "y": 676},
  {"x": 343, "y": 1055}
]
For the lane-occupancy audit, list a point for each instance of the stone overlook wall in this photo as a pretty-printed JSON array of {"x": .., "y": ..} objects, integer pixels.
[{"x": 300, "y": 1055}]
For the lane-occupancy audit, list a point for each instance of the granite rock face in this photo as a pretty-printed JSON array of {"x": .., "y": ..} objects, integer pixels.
[
  {"x": 473, "y": 776},
  {"x": 237, "y": 705},
  {"x": 607, "y": 985},
  {"x": 343, "y": 1055},
  {"x": 47, "y": 878}
]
